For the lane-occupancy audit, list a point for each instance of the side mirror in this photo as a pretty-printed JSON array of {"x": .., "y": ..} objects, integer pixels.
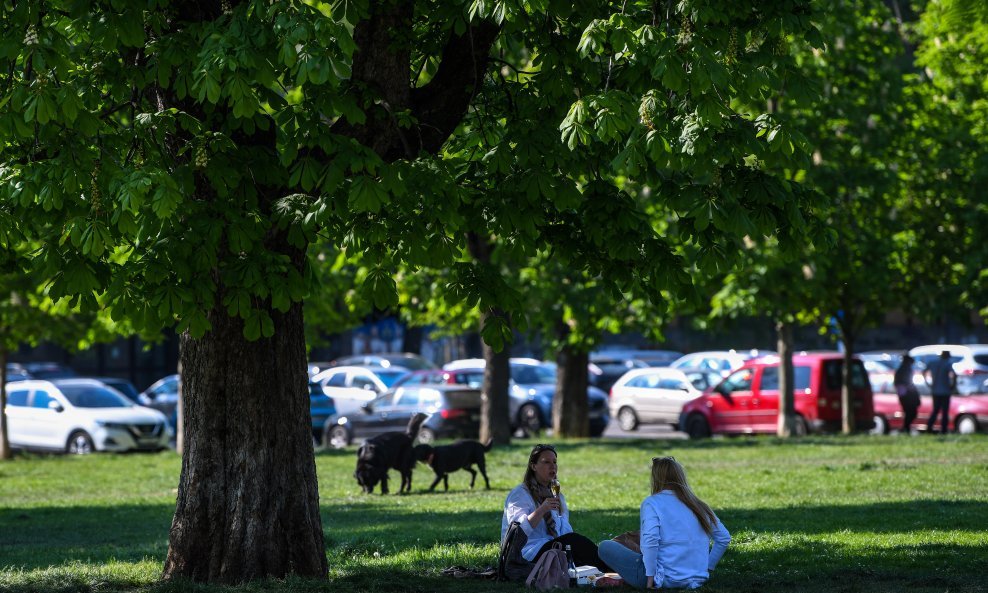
[
  {"x": 369, "y": 387},
  {"x": 722, "y": 390},
  {"x": 54, "y": 405},
  {"x": 367, "y": 408}
]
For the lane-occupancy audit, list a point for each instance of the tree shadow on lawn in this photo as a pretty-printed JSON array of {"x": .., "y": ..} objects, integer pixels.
[{"x": 774, "y": 549}]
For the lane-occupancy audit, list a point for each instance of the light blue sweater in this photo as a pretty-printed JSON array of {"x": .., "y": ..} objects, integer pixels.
[{"x": 676, "y": 551}]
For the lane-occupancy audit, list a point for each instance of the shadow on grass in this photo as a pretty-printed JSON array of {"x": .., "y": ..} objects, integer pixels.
[{"x": 384, "y": 547}]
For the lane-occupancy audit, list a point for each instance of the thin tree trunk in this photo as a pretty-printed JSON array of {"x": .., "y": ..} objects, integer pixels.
[
  {"x": 787, "y": 408},
  {"x": 5, "y": 452},
  {"x": 495, "y": 421},
  {"x": 570, "y": 410},
  {"x": 248, "y": 505},
  {"x": 847, "y": 391}
]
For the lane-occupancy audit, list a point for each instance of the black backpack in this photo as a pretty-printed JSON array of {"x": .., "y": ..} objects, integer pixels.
[{"x": 511, "y": 565}]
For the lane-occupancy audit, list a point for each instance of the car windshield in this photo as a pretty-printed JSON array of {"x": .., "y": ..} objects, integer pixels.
[
  {"x": 390, "y": 377},
  {"x": 91, "y": 396},
  {"x": 532, "y": 374}
]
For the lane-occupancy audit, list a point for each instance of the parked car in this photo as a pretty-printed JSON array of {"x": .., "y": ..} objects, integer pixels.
[
  {"x": 321, "y": 408},
  {"x": 652, "y": 358},
  {"x": 48, "y": 370},
  {"x": 720, "y": 361},
  {"x": 80, "y": 416},
  {"x": 317, "y": 367},
  {"x": 968, "y": 414},
  {"x": 405, "y": 360},
  {"x": 454, "y": 411},
  {"x": 530, "y": 393},
  {"x": 747, "y": 401},
  {"x": 162, "y": 395},
  {"x": 656, "y": 395},
  {"x": 881, "y": 368},
  {"x": 605, "y": 369},
  {"x": 122, "y": 385},
  {"x": 970, "y": 363},
  {"x": 353, "y": 386},
  {"x": 16, "y": 372}
]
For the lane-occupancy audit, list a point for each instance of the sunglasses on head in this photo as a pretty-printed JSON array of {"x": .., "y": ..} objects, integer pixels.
[
  {"x": 668, "y": 458},
  {"x": 540, "y": 448}
]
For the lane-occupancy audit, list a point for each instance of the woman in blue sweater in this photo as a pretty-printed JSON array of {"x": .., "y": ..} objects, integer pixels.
[{"x": 677, "y": 530}]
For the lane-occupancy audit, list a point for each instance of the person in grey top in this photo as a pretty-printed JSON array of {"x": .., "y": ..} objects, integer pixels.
[{"x": 942, "y": 379}]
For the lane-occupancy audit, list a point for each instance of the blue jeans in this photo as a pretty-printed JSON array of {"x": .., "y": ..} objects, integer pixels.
[
  {"x": 629, "y": 565},
  {"x": 626, "y": 563}
]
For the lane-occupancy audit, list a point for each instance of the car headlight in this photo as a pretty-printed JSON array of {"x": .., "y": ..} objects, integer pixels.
[{"x": 116, "y": 425}]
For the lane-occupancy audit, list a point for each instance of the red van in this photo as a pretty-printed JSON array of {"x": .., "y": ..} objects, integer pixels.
[{"x": 747, "y": 400}]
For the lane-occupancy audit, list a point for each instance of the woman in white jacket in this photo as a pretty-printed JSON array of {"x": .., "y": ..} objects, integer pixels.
[
  {"x": 681, "y": 538},
  {"x": 544, "y": 516}
]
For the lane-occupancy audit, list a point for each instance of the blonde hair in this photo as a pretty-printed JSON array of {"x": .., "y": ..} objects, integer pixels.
[{"x": 668, "y": 474}]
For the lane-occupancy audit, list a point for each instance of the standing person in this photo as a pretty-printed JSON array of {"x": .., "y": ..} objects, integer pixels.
[
  {"x": 942, "y": 379},
  {"x": 544, "y": 517},
  {"x": 908, "y": 394},
  {"x": 677, "y": 529}
]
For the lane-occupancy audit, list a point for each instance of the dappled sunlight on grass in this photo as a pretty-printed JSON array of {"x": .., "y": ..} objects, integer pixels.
[{"x": 818, "y": 514}]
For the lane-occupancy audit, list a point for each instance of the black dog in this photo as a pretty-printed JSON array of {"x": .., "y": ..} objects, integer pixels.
[
  {"x": 449, "y": 458},
  {"x": 385, "y": 451}
]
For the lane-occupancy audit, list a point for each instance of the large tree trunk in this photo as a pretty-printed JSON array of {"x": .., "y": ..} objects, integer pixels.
[
  {"x": 4, "y": 440},
  {"x": 495, "y": 421},
  {"x": 248, "y": 501},
  {"x": 248, "y": 505},
  {"x": 787, "y": 408},
  {"x": 570, "y": 410},
  {"x": 180, "y": 417}
]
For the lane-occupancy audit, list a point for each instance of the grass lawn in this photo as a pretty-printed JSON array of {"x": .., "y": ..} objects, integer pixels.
[{"x": 819, "y": 514}]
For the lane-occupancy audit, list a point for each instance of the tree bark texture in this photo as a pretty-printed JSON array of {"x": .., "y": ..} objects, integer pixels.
[
  {"x": 248, "y": 505},
  {"x": 570, "y": 408},
  {"x": 4, "y": 439},
  {"x": 787, "y": 412},
  {"x": 179, "y": 417}
]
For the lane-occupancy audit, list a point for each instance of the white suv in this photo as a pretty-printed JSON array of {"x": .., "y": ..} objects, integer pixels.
[
  {"x": 970, "y": 363},
  {"x": 80, "y": 416}
]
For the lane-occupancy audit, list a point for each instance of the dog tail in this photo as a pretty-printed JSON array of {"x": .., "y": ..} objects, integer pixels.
[
  {"x": 488, "y": 445},
  {"x": 415, "y": 424}
]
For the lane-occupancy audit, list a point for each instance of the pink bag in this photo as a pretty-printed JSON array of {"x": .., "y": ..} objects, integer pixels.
[{"x": 550, "y": 570}]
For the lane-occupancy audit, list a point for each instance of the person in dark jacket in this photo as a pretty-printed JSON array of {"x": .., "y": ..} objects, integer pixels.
[
  {"x": 908, "y": 394},
  {"x": 942, "y": 379}
]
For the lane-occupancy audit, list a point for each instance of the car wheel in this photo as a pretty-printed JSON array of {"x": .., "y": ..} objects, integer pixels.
[
  {"x": 427, "y": 436},
  {"x": 79, "y": 443},
  {"x": 697, "y": 427},
  {"x": 627, "y": 419},
  {"x": 529, "y": 418},
  {"x": 799, "y": 427},
  {"x": 966, "y": 425},
  {"x": 338, "y": 437},
  {"x": 881, "y": 425}
]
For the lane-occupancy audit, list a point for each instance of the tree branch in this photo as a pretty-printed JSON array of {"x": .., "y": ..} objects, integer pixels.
[{"x": 440, "y": 105}]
